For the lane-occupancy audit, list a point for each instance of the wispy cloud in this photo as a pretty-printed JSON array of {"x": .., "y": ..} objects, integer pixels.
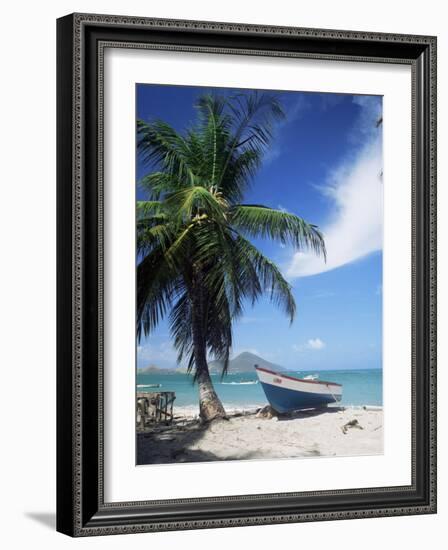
[
  {"x": 355, "y": 188},
  {"x": 312, "y": 344},
  {"x": 294, "y": 112},
  {"x": 330, "y": 100},
  {"x": 369, "y": 115},
  {"x": 316, "y": 343},
  {"x": 252, "y": 320},
  {"x": 163, "y": 352}
]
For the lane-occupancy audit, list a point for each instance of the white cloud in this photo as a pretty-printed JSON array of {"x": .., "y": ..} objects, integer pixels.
[
  {"x": 315, "y": 343},
  {"x": 163, "y": 352},
  {"x": 312, "y": 344},
  {"x": 282, "y": 208},
  {"x": 370, "y": 114},
  {"x": 355, "y": 188}
]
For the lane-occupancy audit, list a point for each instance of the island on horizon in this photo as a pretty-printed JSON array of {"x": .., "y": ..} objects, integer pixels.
[{"x": 242, "y": 363}]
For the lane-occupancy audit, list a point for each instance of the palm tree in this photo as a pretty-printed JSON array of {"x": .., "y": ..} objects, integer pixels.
[{"x": 196, "y": 262}]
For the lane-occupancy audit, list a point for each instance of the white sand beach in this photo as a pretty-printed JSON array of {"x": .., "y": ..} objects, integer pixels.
[{"x": 247, "y": 435}]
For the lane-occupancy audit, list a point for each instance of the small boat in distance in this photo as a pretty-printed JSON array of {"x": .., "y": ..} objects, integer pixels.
[{"x": 286, "y": 393}]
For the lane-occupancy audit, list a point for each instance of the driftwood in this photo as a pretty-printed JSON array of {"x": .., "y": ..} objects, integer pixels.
[{"x": 351, "y": 424}]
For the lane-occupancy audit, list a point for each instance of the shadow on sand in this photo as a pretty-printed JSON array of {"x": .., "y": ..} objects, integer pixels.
[
  {"x": 307, "y": 413},
  {"x": 168, "y": 444},
  {"x": 173, "y": 443}
]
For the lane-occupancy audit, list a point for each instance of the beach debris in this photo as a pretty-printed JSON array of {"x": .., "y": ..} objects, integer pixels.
[
  {"x": 154, "y": 407},
  {"x": 314, "y": 450},
  {"x": 267, "y": 412},
  {"x": 351, "y": 424}
]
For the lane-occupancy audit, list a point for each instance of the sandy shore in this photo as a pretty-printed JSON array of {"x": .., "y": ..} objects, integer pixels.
[{"x": 246, "y": 435}]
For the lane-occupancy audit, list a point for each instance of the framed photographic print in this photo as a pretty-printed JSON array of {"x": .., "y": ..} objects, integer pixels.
[{"x": 246, "y": 274}]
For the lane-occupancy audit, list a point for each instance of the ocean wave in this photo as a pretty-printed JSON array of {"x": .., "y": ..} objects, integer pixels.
[
  {"x": 149, "y": 385},
  {"x": 247, "y": 383}
]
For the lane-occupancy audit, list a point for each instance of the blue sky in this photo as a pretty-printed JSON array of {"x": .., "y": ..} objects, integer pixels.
[{"x": 325, "y": 165}]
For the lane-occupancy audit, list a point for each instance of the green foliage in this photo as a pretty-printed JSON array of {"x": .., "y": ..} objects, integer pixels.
[{"x": 196, "y": 262}]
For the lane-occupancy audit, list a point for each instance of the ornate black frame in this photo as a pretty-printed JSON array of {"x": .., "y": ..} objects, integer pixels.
[{"x": 81, "y": 39}]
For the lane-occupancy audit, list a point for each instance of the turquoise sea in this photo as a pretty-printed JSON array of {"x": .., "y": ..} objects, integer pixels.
[{"x": 360, "y": 387}]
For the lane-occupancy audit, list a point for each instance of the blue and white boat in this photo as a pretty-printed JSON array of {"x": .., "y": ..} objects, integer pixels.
[{"x": 286, "y": 393}]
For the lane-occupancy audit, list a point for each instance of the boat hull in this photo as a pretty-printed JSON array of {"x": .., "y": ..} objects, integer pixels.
[{"x": 287, "y": 394}]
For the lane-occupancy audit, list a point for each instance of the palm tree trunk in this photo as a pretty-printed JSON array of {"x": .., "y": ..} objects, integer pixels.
[{"x": 210, "y": 406}]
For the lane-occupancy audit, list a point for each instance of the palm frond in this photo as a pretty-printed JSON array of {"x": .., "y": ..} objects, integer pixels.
[
  {"x": 254, "y": 116},
  {"x": 219, "y": 331},
  {"x": 157, "y": 286},
  {"x": 240, "y": 171},
  {"x": 152, "y": 236},
  {"x": 272, "y": 281},
  {"x": 260, "y": 221},
  {"x": 195, "y": 262},
  {"x": 158, "y": 184},
  {"x": 180, "y": 326},
  {"x": 193, "y": 202},
  {"x": 161, "y": 146}
]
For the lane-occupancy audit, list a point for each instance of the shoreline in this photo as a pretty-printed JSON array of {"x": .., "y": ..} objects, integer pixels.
[
  {"x": 192, "y": 411},
  {"x": 257, "y": 434}
]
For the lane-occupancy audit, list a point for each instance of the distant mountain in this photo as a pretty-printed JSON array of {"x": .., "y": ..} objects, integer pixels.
[
  {"x": 244, "y": 362},
  {"x": 152, "y": 369},
  {"x": 181, "y": 370}
]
